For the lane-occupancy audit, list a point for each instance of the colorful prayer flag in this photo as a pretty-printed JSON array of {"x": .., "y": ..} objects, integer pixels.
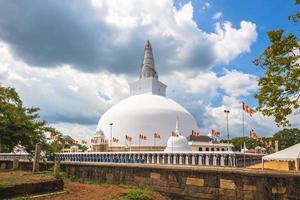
[
  {"x": 253, "y": 134},
  {"x": 195, "y": 133},
  {"x": 215, "y": 133},
  {"x": 247, "y": 109},
  {"x": 156, "y": 135},
  {"x": 128, "y": 138},
  {"x": 175, "y": 134},
  {"x": 143, "y": 137},
  {"x": 115, "y": 140}
]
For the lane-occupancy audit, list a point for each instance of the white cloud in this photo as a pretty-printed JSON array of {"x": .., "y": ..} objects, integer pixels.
[
  {"x": 134, "y": 22},
  {"x": 206, "y": 6},
  {"x": 230, "y": 42},
  {"x": 63, "y": 94},
  {"x": 237, "y": 83},
  {"x": 217, "y": 15}
]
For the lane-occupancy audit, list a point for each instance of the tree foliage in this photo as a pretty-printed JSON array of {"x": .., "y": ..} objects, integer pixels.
[
  {"x": 19, "y": 125},
  {"x": 238, "y": 143},
  {"x": 287, "y": 138},
  {"x": 279, "y": 88}
]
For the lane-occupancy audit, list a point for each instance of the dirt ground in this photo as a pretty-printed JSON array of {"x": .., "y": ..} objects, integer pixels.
[{"x": 75, "y": 191}]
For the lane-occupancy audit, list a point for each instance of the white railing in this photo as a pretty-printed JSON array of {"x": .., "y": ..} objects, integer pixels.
[
  {"x": 228, "y": 159},
  {"x": 12, "y": 156}
]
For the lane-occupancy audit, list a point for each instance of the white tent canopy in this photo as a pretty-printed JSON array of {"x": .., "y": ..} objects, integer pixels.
[{"x": 289, "y": 154}]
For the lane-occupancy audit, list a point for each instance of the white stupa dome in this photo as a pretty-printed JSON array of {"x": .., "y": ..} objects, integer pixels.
[
  {"x": 179, "y": 143},
  {"x": 146, "y": 114},
  {"x": 146, "y": 111}
]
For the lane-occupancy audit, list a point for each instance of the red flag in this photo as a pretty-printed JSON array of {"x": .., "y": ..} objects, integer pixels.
[
  {"x": 253, "y": 134},
  {"x": 94, "y": 141},
  {"x": 215, "y": 133},
  {"x": 143, "y": 137},
  {"x": 128, "y": 138},
  {"x": 156, "y": 135},
  {"x": 175, "y": 134},
  {"x": 195, "y": 133},
  {"x": 115, "y": 140},
  {"x": 247, "y": 109}
]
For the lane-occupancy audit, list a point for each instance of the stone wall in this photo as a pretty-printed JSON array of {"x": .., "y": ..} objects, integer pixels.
[{"x": 192, "y": 182}]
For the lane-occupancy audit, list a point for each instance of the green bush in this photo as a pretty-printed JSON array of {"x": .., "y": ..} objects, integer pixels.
[{"x": 139, "y": 194}]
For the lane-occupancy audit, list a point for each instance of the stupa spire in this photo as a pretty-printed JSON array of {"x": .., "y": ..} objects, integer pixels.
[
  {"x": 176, "y": 126},
  {"x": 148, "y": 67}
]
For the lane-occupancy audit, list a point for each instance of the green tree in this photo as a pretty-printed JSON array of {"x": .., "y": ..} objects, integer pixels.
[
  {"x": 238, "y": 143},
  {"x": 287, "y": 138},
  {"x": 279, "y": 88},
  {"x": 18, "y": 124}
]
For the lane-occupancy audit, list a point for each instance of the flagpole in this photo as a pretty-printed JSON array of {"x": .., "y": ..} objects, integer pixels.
[
  {"x": 172, "y": 141},
  {"x": 140, "y": 143},
  {"x": 243, "y": 115},
  {"x": 154, "y": 141}
]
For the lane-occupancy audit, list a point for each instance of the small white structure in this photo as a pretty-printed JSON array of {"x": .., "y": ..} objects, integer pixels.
[
  {"x": 205, "y": 143},
  {"x": 74, "y": 148},
  {"x": 289, "y": 154},
  {"x": 177, "y": 143}
]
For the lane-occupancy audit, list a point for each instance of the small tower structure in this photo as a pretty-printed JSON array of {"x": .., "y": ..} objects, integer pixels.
[{"x": 99, "y": 142}]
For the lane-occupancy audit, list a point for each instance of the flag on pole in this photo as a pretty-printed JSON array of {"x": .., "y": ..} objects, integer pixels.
[
  {"x": 128, "y": 138},
  {"x": 195, "y": 133},
  {"x": 175, "y": 134},
  {"x": 247, "y": 109},
  {"x": 143, "y": 137},
  {"x": 157, "y": 136},
  {"x": 83, "y": 141},
  {"x": 54, "y": 137},
  {"x": 253, "y": 134},
  {"x": 115, "y": 140},
  {"x": 215, "y": 133}
]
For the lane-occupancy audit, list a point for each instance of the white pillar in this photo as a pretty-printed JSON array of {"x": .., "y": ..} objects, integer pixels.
[
  {"x": 193, "y": 159},
  {"x": 148, "y": 158},
  {"x": 180, "y": 159},
  {"x": 163, "y": 159},
  {"x": 229, "y": 161},
  {"x": 169, "y": 159},
  {"x": 206, "y": 159},
  {"x": 214, "y": 160},
  {"x": 222, "y": 160},
  {"x": 200, "y": 160},
  {"x": 152, "y": 160},
  {"x": 174, "y": 159},
  {"x": 157, "y": 158},
  {"x": 233, "y": 160},
  {"x": 186, "y": 159}
]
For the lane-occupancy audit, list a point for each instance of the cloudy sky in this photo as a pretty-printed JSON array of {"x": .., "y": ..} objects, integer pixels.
[{"x": 75, "y": 59}]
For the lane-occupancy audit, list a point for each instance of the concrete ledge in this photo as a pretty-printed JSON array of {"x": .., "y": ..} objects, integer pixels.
[{"x": 223, "y": 170}]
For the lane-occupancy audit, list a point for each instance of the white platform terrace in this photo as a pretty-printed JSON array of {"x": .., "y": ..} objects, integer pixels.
[{"x": 228, "y": 159}]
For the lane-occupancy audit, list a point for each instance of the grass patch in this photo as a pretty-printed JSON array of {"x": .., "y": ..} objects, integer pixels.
[
  {"x": 11, "y": 178},
  {"x": 137, "y": 194}
]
